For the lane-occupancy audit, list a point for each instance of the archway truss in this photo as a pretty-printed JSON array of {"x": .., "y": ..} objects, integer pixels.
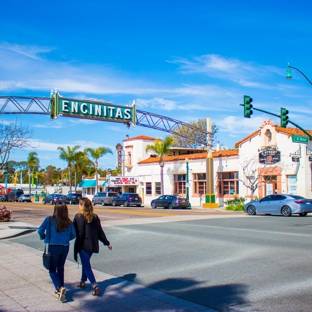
[{"x": 42, "y": 106}]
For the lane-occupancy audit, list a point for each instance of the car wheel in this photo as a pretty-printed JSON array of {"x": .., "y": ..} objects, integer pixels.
[
  {"x": 251, "y": 210},
  {"x": 126, "y": 203},
  {"x": 51, "y": 202},
  {"x": 93, "y": 203},
  {"x": 170, "y": 205},
  {"x": 286, "y": 211},
  {"x": 102, "y": 203},
  {"x": 303, "y": 214},
  {"x": 114, "y": 203},
  {"x": 153, "y": 205},
  {"x": 43, "y": 201}
]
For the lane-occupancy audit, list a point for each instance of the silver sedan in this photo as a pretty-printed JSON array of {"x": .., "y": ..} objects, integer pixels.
[{"x": 280, "y": 204}]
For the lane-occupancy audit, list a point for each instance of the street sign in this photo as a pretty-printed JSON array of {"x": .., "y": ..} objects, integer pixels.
[
  {"x": 300, "y": 139},
  {"x": 91, "y": 109}
]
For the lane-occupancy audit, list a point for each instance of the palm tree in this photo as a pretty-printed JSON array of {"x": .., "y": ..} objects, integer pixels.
[
  {"x": 161, "y": 148},
  {"x": 69, "y": 156},
  {"x": 95, "y": 154},
  {"x": 80, "y": 159},
  {"x": 33, "y": 165}
]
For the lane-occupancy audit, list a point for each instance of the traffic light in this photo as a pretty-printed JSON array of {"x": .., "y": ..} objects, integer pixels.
[
  {"x": 247, "y": 106},
  {"x": 284, "y": 117}
]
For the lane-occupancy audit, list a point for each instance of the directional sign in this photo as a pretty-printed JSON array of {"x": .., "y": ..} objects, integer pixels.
[
  {"x": 89, "y": 109},
  {"x": 300, "y": 139}
]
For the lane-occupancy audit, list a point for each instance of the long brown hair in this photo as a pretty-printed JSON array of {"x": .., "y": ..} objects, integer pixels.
[
  {"x": 87, "y": 209},
  {"x": 61, "y": 214}
]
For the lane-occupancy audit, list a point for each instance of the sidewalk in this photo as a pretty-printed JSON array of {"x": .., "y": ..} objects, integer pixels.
[{"x": 26, "y": 286}]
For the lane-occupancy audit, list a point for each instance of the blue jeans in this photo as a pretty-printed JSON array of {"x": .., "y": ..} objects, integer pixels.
[
  {"x": 87, "y": 272},
  {"x": 59, "y": 255}
]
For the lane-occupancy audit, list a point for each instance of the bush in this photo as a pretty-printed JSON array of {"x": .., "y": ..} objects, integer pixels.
[
  {"x": 235, "y": 204},
  {"x": 5, "y": 214}
]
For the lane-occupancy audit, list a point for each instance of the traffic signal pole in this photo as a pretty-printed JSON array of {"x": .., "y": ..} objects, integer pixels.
[{"x": 280, "y": 116}]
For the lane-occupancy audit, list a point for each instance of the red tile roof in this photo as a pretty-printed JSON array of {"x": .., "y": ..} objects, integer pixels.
[
  {"x": 140, "y": 137},
  {"x": 215, "y": 154}
]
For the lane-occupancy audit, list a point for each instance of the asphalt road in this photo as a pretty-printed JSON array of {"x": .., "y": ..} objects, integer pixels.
[{"x": 248, "y": 263}]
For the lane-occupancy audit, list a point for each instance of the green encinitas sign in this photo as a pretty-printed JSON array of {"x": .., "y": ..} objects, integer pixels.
[{"x": 91, "y": 109}]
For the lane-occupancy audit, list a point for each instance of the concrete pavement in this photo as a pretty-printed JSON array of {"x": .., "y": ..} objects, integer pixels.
[{"x": 26, "y": 286}]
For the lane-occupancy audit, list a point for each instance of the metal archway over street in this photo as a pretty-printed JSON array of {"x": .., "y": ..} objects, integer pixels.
[{"x": 58, "y": 106}]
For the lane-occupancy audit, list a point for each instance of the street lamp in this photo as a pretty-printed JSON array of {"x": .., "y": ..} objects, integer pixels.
[{"x": 289, "y": 75}]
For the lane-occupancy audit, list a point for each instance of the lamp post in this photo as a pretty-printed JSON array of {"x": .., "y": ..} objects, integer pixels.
[
  {"x": 37, "y": 197},
  {"x": 289, "y": 75},
  {"x": 29, "y": 185},
  {"x": 161, "y": 164},
  {"x": 187, "y": 184},
  {"x": 187, "y": 179}
]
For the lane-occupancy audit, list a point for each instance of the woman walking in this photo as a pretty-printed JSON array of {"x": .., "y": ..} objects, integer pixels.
[
  {"x": 89, "y": 232},
  {"x": 57, "y": 231}
]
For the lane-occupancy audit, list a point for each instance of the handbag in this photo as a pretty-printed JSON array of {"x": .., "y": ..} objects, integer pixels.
[{"x": 46, "y": 257}]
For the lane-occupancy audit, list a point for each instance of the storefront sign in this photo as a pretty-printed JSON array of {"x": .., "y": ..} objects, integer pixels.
[
  {"x": 295, "y": 158},
  {"x": 116, "y": 181},
  {"x": 269, "y": 156}
]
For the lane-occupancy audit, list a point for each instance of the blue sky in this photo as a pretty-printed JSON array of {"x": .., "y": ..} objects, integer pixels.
[{"x": 181, "y": 59}]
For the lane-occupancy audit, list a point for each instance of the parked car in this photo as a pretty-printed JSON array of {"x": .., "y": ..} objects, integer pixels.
[
  {"x": 104, "y": 198},
  {"x": 127, "y": 199},
  {"x": 73, "y": 198},
  {"x": 24, "y": 198},
  {"x": 53, "y": 198},
  {"x": 170, "y": 201},
  {"x": 280, "y": 204},
  {"x": 4, "y": 198},
  {"x": 14, "y": 195}
]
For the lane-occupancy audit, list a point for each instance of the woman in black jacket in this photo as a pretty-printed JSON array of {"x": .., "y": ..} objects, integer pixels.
[{"x": 88, "y": 233}]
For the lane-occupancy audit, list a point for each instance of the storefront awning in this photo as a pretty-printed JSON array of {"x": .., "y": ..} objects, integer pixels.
[{"x": 87, "y": 183}]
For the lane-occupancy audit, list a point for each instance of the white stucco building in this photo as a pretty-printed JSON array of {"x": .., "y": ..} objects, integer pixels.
[{"x": 272, "y": 159}]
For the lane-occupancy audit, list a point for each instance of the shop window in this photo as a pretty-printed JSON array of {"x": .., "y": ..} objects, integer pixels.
[
  {"x": 158, "y": 188},
  {"x": 148, "y": 188},
  {"x": 228, "y": 183},
  {"x": 199, "y": 182},
  {"x": 179, "y": 183}
]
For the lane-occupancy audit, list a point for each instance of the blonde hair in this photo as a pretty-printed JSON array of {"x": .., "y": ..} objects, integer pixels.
[{"x": 87, "y": 209}]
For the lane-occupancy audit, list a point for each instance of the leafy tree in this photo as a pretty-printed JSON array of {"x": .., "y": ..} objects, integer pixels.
[
  {"x": 69, "y": 156},
  {"x": 95, "y": 154},
  {"x": 161, "y": 148},
  {"x": 190, "y": 137}
]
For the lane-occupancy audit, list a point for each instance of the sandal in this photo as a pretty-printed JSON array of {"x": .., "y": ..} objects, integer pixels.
[
  {"x": 96, "y": 291},
  {"x": 82, "y": 285}
]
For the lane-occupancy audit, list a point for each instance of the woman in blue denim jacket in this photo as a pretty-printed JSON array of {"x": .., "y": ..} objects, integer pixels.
[{"x": 57, "y": 231}]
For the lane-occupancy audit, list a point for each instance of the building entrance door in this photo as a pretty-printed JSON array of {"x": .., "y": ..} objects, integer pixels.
[{"x": 270, "y": 185}]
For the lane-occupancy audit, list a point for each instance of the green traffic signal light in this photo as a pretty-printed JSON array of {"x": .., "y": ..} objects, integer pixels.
[
  {"x": 247, "y": 106},
  {"x": 284, "y": 117}
]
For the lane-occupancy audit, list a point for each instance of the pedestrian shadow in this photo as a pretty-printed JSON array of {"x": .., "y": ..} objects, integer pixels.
[{"x": 225, "y": 297}]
